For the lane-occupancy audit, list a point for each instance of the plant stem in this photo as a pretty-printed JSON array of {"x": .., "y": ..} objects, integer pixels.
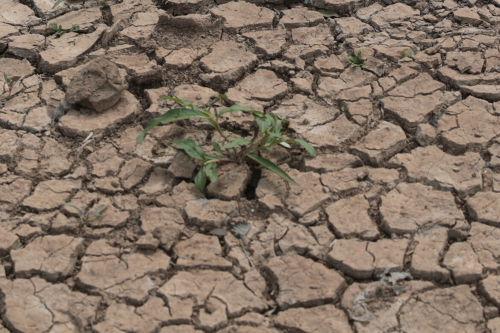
[
  {"x": 224, "y": 160},
  {"x": 256, "y": 143},
  {"x": 217, "y": 127}
]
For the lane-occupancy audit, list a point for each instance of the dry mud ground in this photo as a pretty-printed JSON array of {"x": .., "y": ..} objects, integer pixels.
[{"x": 394, "y": 227}]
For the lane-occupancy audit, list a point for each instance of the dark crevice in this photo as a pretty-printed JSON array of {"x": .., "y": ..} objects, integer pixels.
[{"x": 252, "y": 185}]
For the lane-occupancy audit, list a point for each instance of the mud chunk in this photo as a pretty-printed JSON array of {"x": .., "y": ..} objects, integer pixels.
[
  {"x": 231, "y": 182},
  {"x": 98, "y": 86},
  {"x": 201, "y": 251},
  {"x": 349, "y": 218},
  {"x": 427, "y": 255},
  {"x": 431, "y": 312},
  {"x": 409, "y": 207},
  {"x": 381, "y": 144},
  {"x": 314, "y": 285},
  {"x": 443, "y": 171},
  {"x": 463, "y": 262},
  {"x": 324, "y": 318},
  {"x": 237, "y": 299}
]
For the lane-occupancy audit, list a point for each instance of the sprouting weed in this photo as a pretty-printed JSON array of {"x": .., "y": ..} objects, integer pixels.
[
  {"x": 345, "y": 110},
  {"x": 409, "y": 55},
  {"x": 86, "y": 216},
  {"x": 59, "y": 31},
  {"x": 10, "y": 82},
  {"x": 357, "y": 61},
  {"x": 267, "y": 133}
]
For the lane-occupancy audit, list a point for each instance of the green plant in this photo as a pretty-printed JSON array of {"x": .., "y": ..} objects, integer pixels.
[
  {"x": 266, "y": 134},
  {"x": 357, "y": 61},
  {"x": 10, "y": 82},
  {"x": 57, "y": 3},
  {"x": 409, "y": 55},
  {"x": 60, "y": 31},
  {"x": 345, "y": 110},
  {"x": 2, "y": 55},
  {"x": 84, "y": 215}
]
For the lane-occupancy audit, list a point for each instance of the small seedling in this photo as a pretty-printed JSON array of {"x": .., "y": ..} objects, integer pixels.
[
  {"x": 267, "y": 134},
  {"x": 345, "y": 110},
  {"x": 2, "y": 55},
  {"x": 10, "y": 82},
  {"x": 60, "y": 31},
  {"x": 409, "y": 55},
  {"x": 357, "y": 61},
  {"x": 85, "y": 216}
]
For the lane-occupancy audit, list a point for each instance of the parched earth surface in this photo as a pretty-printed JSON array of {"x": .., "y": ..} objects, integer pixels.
[{"x": 394, "y": 227}]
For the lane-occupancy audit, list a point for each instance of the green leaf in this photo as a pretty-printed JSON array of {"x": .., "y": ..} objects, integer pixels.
[
  {"x": 53, "y": 26},
  {"x": 72, "y": 206},
  {"x": 409, "y": 55},
  {"x": 355, "y": 60},
  {"x": 273, "y": 167},
  {"x": 200, "y": 151},
  {"x": 327, "y": 13},
  {"x": 236, "y": 108},
  {"x": 74, "y": 28},
  {"x": 274, "y": 135},
  {"x": 217, "y": 148},
  {"x": 191, "y": 148},
  {"x": 211, "y": 172},
  {"x": 264, "y": 123},
  {"x": 310, "y": 149},
  {"x": 274, "y": 119},
  {"x": 201, "y": 180},
  {"x": 236, "y": 142},
  {"x": 201, "y": 110},
  {"x": 218, "y": 98},
  {"x": 211, "y": 157},
  {"x": 98, "y": 211},
  {"x": 169, "y": 116},
  {"x": 184, "y": 102},
  {"x": 57, "y": 3}
]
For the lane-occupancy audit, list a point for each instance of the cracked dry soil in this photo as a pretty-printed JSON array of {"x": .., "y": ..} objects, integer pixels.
[{"x": 394, "y": 227}]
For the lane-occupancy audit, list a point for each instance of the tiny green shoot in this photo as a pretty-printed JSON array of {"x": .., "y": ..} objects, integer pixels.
[
  {"x": 345, "y": 110},
  {"x": 10, "y": 83},
  {"x": 409, "y": 55},
  {"x": 86, "y": 216},
  {"x": 59, "y": 31},
  {"x": 357, "y": 60}
]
